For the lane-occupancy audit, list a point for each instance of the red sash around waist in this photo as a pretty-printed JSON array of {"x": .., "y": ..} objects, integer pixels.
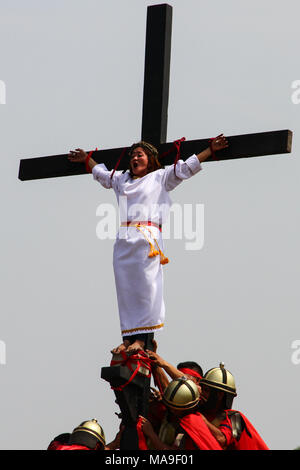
[{"x": 143, "y": 222}]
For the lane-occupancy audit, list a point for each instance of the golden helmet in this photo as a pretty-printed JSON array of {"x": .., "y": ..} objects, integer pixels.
[
  {"x": 181, "y": 394},
  {"x": 91, "y": 429},
  {"x": 220, "y": 379}
]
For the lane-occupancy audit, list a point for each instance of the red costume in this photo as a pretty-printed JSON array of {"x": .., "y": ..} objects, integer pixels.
[
  {"x": 247, "y": 439},
  {"x": 70, "y": 447},
  {"x": 199, "y": 434}
]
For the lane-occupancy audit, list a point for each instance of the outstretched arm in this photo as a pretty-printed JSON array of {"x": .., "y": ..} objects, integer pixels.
[
  {"x": 159, "y": 372},
  {"x": 175, "y": 174},
  {"x": 161, "y": 363},
  {"x": 99, "y": 170},
  {"x": 218, "y": 143}
]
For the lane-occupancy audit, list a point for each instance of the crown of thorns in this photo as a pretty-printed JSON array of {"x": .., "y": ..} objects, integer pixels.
[{"x": 145, "y": 146}]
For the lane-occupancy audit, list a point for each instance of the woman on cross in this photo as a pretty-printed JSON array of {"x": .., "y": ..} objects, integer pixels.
[{"x": 138, "y": 251}]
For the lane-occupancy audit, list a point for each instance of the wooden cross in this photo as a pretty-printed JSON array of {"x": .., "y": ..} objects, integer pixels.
[
  {"x": 134, "y": 399},
  {"x": 155, "y": 116}
]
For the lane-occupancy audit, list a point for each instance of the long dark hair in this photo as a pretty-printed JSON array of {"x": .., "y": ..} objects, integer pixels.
[{"x": 152, "y": 154}]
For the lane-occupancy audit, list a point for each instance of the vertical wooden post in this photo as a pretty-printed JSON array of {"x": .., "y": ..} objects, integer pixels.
[{"x": 157, "y": 74}]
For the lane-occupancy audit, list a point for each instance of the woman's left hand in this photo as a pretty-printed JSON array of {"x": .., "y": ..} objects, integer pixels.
[{"x": 77, "y": 155}]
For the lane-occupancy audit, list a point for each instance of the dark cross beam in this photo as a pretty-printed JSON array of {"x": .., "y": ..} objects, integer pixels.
[{"x": 240, "y": 146}]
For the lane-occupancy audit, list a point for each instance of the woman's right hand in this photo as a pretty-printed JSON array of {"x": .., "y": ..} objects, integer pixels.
[{"x": 77, "y": 155}]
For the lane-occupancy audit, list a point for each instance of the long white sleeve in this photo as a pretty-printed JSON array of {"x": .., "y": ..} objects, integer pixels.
[
  {"x": 103, "y": 176},
  {"x": 184, "y": 170}
]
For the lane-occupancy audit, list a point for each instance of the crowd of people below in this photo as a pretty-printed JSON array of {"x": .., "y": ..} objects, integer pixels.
[{"x": 193, "y": 411}]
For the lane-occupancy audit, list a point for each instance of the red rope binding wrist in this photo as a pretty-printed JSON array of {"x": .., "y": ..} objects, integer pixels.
[
  {"x": 176, "y": 145},
  {"x": 213, "y": 154},
  {"x": 87, "y": 167}
]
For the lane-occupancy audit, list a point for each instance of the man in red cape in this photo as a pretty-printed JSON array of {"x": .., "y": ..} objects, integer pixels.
[
  {"x": 89, "y": 435},
  {"x": 230, "y": 427},
  {"x": 183, "y": 427}
]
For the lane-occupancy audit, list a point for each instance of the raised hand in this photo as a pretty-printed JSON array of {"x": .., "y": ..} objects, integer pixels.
[
  {"x": 219, "y": 143},
  {"x": 77, "y": 155}
]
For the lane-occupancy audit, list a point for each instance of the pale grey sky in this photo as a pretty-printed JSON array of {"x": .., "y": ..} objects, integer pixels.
[{"x": 73, "y": 72}]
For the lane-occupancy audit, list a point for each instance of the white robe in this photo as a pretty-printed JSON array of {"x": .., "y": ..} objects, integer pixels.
[{"x": 138, "y": 278}]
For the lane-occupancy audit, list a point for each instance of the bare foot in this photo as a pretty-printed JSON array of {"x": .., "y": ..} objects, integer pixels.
[
  {"x": 120, "y": 348},
  {"x": 138, "y": 345}
]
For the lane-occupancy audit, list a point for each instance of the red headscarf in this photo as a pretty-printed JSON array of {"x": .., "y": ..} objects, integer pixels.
[{"x": 190, "y": 372}]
